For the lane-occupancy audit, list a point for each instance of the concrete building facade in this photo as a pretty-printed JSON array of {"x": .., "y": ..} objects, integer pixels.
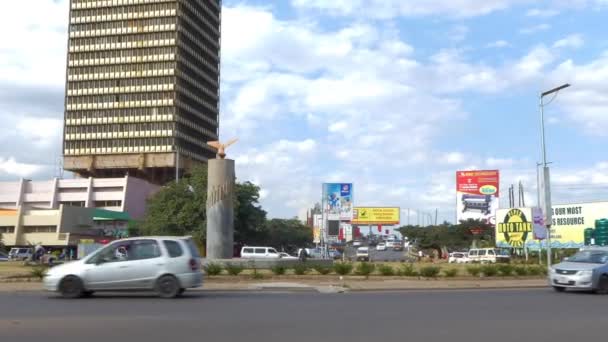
[
  {"x": 142, "y": 93},
  {"x": 61, "y": 227},
  {"x": 126, "y": 194}
]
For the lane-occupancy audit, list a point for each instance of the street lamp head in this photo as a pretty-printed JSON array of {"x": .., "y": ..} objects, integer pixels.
[{"x": 555, "y": 90}]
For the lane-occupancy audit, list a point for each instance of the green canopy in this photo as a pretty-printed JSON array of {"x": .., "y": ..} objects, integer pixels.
[{"x": 110, "y": 215}]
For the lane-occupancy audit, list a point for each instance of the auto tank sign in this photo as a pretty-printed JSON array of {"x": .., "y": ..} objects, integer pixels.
[{"x": 515, "y": 227}]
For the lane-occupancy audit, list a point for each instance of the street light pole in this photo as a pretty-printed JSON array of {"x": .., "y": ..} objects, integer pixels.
[{"x": 546, "y": 176}]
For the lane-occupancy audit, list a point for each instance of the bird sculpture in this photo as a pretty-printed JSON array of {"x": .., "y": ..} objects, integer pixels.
[{"x": 221, "y": 148}]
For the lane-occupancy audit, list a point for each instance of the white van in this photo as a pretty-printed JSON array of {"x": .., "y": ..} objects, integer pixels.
[
  {"x": 259, "y": 253},
  {"x": 487, "y": 256}
]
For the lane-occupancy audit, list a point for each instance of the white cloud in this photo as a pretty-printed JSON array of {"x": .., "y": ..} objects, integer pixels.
[
  {"x": 572, "y": 41},
  {"x": 396, "y": 8},
  {"x": 535, "y": 28},
  {"x": 586, "y": 101},
  {"x": 545, "y": 13},
  {"x": 453, "y": 158},
  {"x": 499, "y": 162},
  {"x": 12, "y": 167},
  {"x": 42, "y": 132},
  {"x": 498, "y": 44}
]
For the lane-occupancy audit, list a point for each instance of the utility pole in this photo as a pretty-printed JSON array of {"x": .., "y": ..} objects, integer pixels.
[
  {"x": 436, "y": 209},
  {"x": 546, "y": 177}
]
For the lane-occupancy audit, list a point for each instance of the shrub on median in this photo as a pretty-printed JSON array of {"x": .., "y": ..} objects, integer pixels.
[
  {"x": 407, "y": 270},
  {"x": 38, "y": 272},
  {"x": 521, "y": 270},
  {"x": 451, "y": 273},
  {"x": 430, "y": 271},
  {"x": 505, "y": 270},
  {"x": 489, "y": 270},
  {"x": 386, "y": 270},
  {"x": 278, "y": 269},
  {"x": 234, "y": 269},
  {"x": 343, "y": 268},
  {"x": 536, "y": 270},
  {"x": 322, "y": 269},
  {"x": 474, "y": 270},
  {"x": 365, "y": 269},
  {"x": 213, "y": 269},
  {"x": 300, "y": 269}
]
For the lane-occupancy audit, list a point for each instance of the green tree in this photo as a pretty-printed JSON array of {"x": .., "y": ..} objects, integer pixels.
[
  {"x": 457, "y": 236},
  {"x": 179, "y": 208},
  {"x": 249, "y": 217},
  {"x": 287, "y": 234}
]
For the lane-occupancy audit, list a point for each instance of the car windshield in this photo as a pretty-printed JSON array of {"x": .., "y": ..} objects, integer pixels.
[{"x": 592, "y": 257}]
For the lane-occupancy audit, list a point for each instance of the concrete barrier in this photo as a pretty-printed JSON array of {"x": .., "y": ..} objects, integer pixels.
[{"x": 266, "y": 263}]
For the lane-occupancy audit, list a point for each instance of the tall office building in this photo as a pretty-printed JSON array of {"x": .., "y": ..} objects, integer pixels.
[{"x": 142, "y": 92}]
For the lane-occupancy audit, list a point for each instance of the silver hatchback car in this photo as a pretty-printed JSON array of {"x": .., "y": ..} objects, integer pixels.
[
  {"x": 166, "y": 265},
  {"x": 586, "y": 270}
]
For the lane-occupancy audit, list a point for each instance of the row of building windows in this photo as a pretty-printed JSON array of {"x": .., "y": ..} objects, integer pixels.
[
  {"x": 122, "y": 42},
  {"x": 7, "y": 230},
  {"x": 130, "y": 85},
  {"x": 94, "y": 117},
  {"x": 124, "y": 12},
  {"x": 39, "y": 229},
  {"x": 77, "y": 4},
  {"x": 99, "y": 99},
  {"x": 123, "y": 27},
  {"x": 137, "y": 145},
  {"x": 122, "y": 69},
  {"x": 115, "y": 128},
  {"x": 102, "y": 204},
  {"x": 165, "y": 53}
]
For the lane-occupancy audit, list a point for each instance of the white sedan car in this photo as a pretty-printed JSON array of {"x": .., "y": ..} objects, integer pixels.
[
  {"x": 458, "y": 258},
  {"x": 381, "y": 246},
  {"x": 286, "y": 256}
]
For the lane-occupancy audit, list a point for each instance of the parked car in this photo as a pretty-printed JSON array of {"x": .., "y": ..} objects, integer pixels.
[
  {"x": 335, "y": 254},
  {"x": 488, "y": 256},
  {"x": 259, "y": 253},
  {"x": 286, "y": 256},
  {"x": 381, "y": 246},
  {"x": 3, "y": 256},
  {"x": 458, "y": 258},
  {"x": 20, "y": 253},
  {"x": 166, "y": 265},
  {"x": 357, "y": 243},
  {"x": 363, "y": 254},
  {"x": 585, "y": 270}
]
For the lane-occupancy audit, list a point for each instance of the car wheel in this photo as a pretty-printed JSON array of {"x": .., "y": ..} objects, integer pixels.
[
  {"x": 71, "y": 287},
  {"x": 167, "y": 286},
  {"x": 602, "y": 285},
  {"x": 559, "y": 288}
]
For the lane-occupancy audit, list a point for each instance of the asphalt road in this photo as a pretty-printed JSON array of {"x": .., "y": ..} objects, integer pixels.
[{"x": 457, "y": 315}]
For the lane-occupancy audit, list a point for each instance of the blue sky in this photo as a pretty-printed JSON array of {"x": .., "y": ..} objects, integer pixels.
[{"x": 391, "y": 95}]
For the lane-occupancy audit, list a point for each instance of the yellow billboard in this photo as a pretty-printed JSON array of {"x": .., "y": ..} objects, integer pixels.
[
  {"x": 375, "y": 215},
  {"x": 514, "y": 227}
]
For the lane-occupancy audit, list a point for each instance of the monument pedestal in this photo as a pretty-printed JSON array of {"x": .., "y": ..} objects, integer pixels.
[{"x": 220, "y": 208}]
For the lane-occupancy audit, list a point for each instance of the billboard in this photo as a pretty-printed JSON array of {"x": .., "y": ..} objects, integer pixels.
[
  {"x": 477, "y": 195},
  {"x": 569, "y": 222},
  {"x": 338, "y": 201},
  {"x": 317, "y": 225},
  {"x": 375, "y": 215}
]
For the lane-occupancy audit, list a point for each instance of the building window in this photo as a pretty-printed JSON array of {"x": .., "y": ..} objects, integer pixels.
[
  {"x": 74, "y": 203},
  {"x": 7, "y": 230},
  {"x": 40, "y": 229},
  {"x": 101, "y": 204}
]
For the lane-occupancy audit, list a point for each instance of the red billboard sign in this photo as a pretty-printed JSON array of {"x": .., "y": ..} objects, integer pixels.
[{"x": 477, "y": 195}]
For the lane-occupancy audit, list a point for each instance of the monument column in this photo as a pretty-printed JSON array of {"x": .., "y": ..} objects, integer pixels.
[{"x": 220, "y": 205}]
